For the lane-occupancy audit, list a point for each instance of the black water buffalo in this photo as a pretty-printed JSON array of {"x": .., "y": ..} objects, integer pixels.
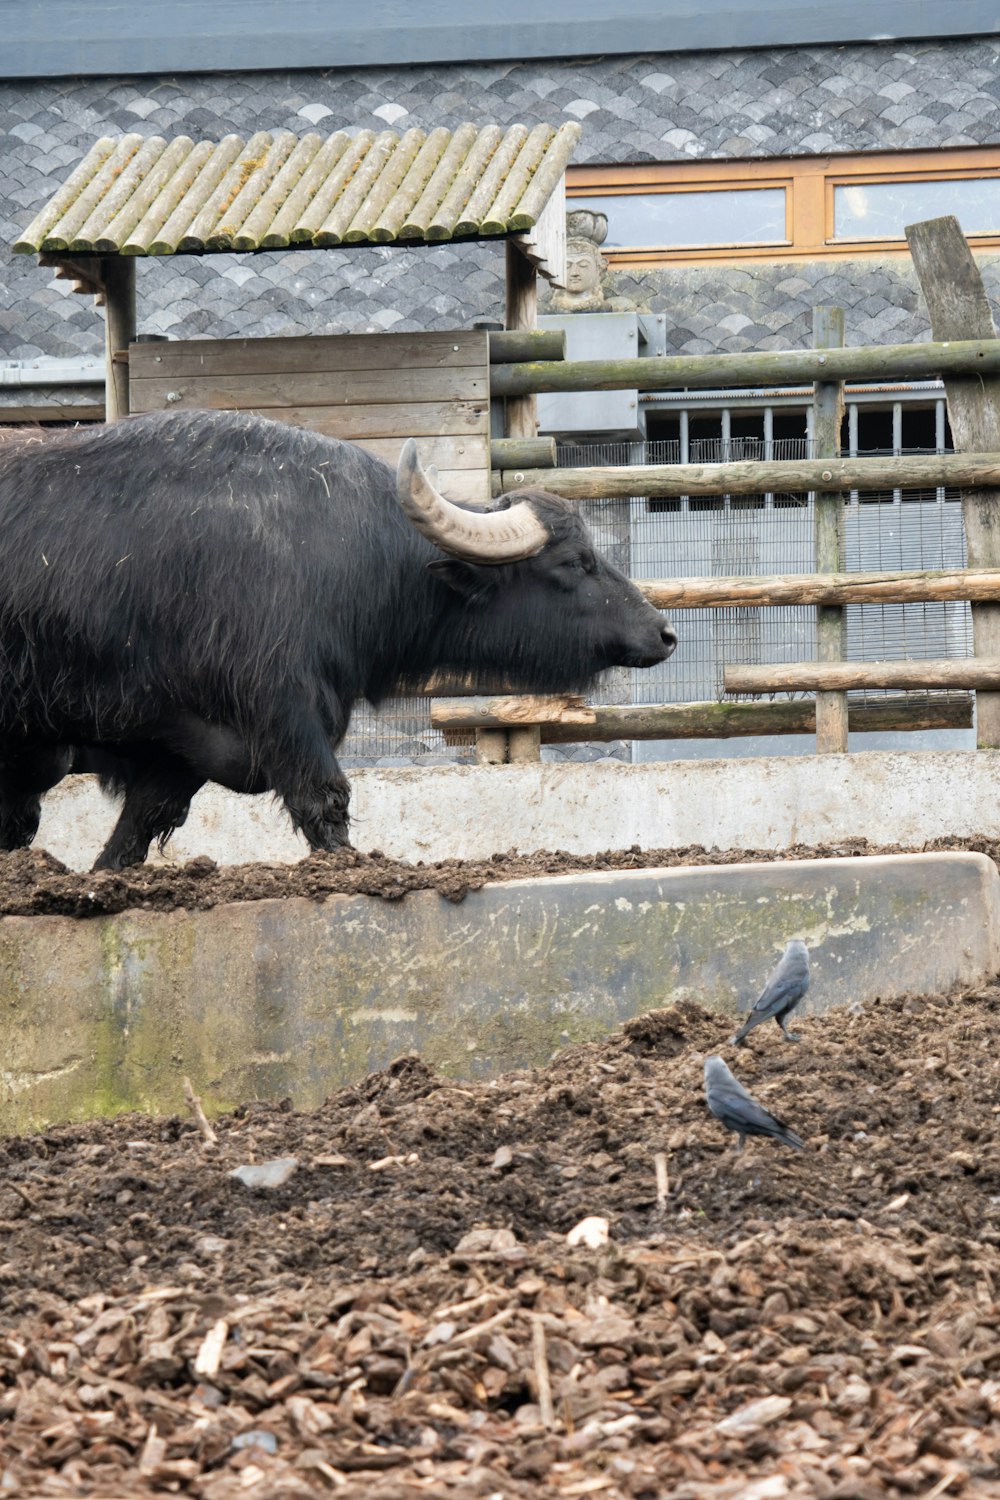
[{"x": 203, "y": 596}]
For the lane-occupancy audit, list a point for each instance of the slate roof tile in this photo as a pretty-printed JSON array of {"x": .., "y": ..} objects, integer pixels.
[{"x": 812, "y": 99}]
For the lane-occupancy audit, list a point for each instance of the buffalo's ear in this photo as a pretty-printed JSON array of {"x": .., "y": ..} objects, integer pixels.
[{"x": 466, "y": 579}]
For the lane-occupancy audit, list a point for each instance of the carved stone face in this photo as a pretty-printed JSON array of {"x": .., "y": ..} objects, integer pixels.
[{"x": 584, "y": 265}]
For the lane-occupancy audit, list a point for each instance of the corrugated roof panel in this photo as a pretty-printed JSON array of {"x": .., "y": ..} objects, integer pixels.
[{"x": 150, "y": 196}]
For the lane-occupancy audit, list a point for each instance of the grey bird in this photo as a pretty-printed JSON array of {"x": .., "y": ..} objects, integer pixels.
[
  {"x": 785, "y": 986},
  {"x": 738, "y": 1110}
]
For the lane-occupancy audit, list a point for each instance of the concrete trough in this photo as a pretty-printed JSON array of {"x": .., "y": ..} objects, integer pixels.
[{"x": 273, "y": 998}]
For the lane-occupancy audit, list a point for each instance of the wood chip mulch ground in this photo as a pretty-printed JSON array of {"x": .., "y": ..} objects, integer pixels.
[{"x": 405, "y": 1315}]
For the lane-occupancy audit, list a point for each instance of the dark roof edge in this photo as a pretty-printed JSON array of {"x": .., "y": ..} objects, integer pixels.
[{"x": 115, "y": 39}]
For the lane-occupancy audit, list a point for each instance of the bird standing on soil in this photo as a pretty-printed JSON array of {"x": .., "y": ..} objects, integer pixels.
[
  {"x": 738, "y": 1110},
  {"x": 784, "y": 989}
]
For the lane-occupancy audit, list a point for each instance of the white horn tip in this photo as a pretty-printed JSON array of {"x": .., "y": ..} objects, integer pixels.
[{"x": 408, "y": 460}]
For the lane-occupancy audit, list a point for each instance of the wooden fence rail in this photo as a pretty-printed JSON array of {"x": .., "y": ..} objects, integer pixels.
[
  {"x": 763, "y": 590},
  {"x": 965, "y": 353},
  {"x": 958, "y": 470},
  {"x": 567, "y": 720},
  {"x": 826, "y": 676},
  {"x": 875, "y": 363}
]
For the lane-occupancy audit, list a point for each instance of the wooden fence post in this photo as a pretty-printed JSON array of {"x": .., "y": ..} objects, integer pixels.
[
  {"x": 827, "y": 415},
  {"x": 956, "y": 300},
  {"x": 523, "y": 745},
  {"x": 521, "y": 313},
  {"x": 118, "y": 276}
]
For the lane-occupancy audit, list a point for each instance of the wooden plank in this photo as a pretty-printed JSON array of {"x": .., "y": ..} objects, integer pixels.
[
  {"x": 831, "y": 636},
  {"x": 544, "y": 242},
  {"x": 878, "y": 362},
  {"x": 23, "y": 413},
  {"x": 965, "y": 470},
  {"x": 359, "y": 423},
  {"x": 467, "y": 486},
  {"x": 312, "y": 388},
  {"x": 448, "y": 453},
  {"x": 695, "y": 721},
  {"x": 822, "y": 588},
  {"x": 956, "y": 300},
  {"x": 302, "y": 354},
  {"x": 827, "y": 676}
]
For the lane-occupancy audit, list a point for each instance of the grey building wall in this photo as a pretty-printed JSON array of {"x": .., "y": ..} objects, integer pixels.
[{"x": 633, "y": 108}]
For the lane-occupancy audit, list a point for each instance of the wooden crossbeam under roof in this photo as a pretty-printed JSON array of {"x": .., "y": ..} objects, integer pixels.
[{"x": 150, "y": 196}]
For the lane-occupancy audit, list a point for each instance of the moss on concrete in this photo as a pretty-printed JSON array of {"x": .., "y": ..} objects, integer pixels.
[{"x": 297, "y": 997}]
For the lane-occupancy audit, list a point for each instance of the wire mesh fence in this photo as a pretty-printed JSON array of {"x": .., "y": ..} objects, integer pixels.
[{"x": 732, "y": 535}]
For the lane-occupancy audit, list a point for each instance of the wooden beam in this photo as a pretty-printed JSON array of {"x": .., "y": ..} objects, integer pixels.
[
  {"x": 513, "y": 345},
  {"x": 118, "y": 279},
  {"x": 828, "y": 676},
  {"x": 491, "y": 747},
  {"x": 964, "y": 470},
  {"x": 822, "y": 588},
  {"x": 84, "y": 271},
  {"x": 508, "y": 711},
  {"x": 831, "y": 636},
  {"x": 877, "y": 363},
  {"x": 958, "y": 306},
  {"x": 524, "y": 745},
  {"x": 693, "y": 721},
  {"x": 523, "y": 453}
]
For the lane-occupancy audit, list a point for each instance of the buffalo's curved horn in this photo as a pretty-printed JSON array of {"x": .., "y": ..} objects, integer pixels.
[{"x": 494, "y": 536}]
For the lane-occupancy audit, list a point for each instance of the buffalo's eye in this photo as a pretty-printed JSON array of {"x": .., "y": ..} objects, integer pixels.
[
  {"x": 570, "y": 571},
  {"x": 576, "y": 566}
]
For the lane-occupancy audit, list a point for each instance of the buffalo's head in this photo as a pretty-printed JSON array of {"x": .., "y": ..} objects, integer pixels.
[{"x": 541, "y": 606}]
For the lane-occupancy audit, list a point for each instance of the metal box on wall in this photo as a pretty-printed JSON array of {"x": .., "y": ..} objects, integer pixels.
[{"x": 579, "y": 414}]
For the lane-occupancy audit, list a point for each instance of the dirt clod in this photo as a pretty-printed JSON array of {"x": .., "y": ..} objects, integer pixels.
[{"x": 33, "y": 883}]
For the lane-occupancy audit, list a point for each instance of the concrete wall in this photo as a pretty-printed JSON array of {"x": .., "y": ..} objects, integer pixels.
[
  {"x": 471, "y": 812},
  {"x": 273, "y": 998}
]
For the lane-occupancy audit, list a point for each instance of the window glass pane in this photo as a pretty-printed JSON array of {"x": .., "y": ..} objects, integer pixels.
[
  {"x": 744, "y": 216},
  {"x": 881, "y": 210}
]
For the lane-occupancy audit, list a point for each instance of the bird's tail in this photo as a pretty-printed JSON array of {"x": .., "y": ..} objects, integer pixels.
[
  {"x": 745, "y": 1030},
  {"x": 789, "y": 1138}
]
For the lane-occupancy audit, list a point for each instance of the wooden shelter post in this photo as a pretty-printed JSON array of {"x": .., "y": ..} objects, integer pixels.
[
  {"x": 827, "y": 416},
  {"x": 956, "y": 300},
  {"x": 118, "y": 278},
  {"x": 521, "y": 313},
  {"x": 523, "y": 743}
]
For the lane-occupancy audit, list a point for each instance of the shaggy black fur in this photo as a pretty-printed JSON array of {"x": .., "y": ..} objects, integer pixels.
[{"x": 203, "y": 596}]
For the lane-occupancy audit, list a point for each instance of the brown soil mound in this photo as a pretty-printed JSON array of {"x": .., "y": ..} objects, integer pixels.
[
  {"x": 404, "y": 1316},
  {"x": 33, "y": 883}
]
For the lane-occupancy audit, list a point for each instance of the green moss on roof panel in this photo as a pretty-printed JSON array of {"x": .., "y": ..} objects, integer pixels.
[{"x": 150, "y": 196}]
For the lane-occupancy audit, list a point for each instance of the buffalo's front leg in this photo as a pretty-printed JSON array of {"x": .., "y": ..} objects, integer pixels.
[
  {"x": 158, "y": 789},
  {"x": 24, "y": 776},
  {"x": 321, "y": 813},
  {"x": 303, "y": 770}
]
